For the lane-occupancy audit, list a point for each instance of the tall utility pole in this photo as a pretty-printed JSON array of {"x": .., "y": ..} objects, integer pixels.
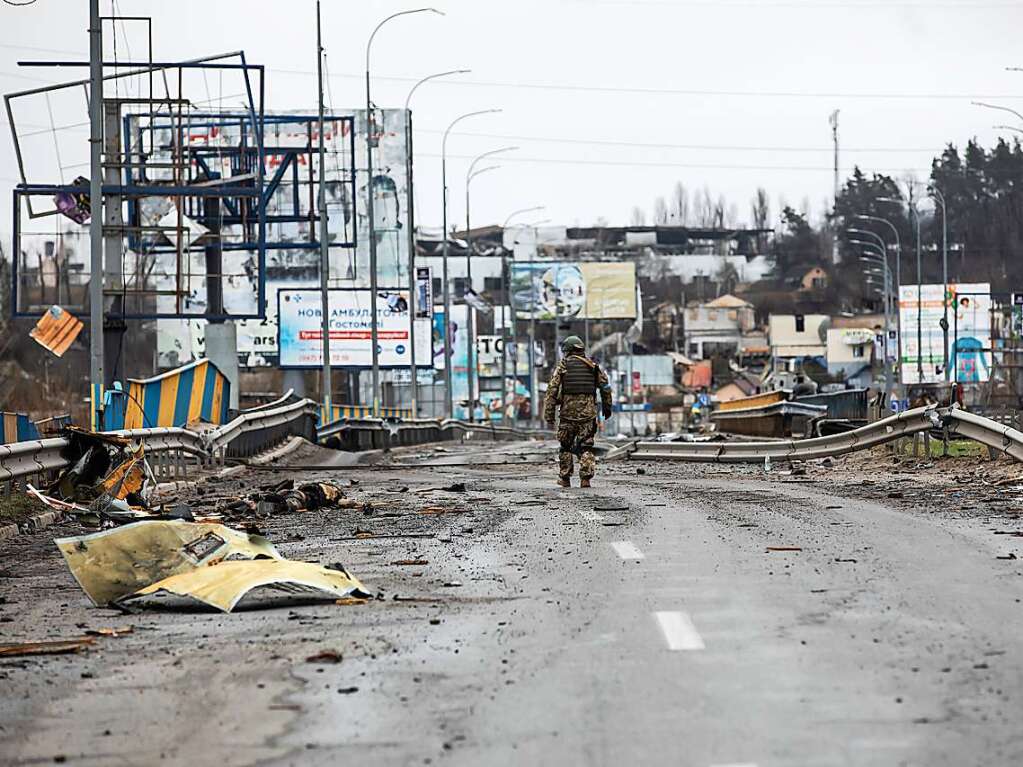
[
  {"x": 834, "y": 137},
  {"x": 919, "y": 296},
  {"x": 96, "y": 219},
  {"x": 448, "y": 377},
  {"x": 371, "y": 223},
  {"x": 939, "y": 198},
  {"x": 324, "y": 249},
  {"x": 410, "y": 205},
  {"x": 371, "y": 234}
]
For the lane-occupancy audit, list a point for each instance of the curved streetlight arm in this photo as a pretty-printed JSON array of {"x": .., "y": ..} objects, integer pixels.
[
  {"x": 491, "y": 153},
  {"x": 444, "y": 141},
  {"x": 408, "y": 99},
  {"x": 1007, "y": 127},
  {"x": 999, "y": 108},
  {"x": 886, "y": 222},
  {"x": 376, "y": 29},
  {"x": 515, "y": 213},
  {"x": 475, "y": 173},
  {"x": 869, "y": 234}
]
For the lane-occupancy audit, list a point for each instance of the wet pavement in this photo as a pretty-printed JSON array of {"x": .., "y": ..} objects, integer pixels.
[{"x": 674, "y": 613}]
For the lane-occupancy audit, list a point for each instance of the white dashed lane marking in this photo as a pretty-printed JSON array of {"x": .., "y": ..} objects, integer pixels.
[
  {"x": 626, "y": 550},
  {"x": 679, "y": 631}
]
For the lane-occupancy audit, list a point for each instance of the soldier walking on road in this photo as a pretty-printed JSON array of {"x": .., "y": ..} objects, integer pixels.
[{"x": 573, "y": 388}]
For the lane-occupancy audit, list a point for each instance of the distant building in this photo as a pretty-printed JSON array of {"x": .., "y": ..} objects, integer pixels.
[
  {"x": 717, "y": 327},
  {"x": 798, "y": 335},
  {"x": 850, "y": 353}
]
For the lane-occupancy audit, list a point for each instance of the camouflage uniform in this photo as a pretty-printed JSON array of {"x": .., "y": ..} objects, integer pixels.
[{"x": 577, "y": 421}]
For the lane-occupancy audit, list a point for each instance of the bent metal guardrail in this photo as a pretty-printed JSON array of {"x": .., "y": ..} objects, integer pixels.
[
  {"x": 984, "y": 430},
  {"x": 253, "y": 431},
  {"x": 365, "y": 433},
  {"x": 248, "y": 433}
]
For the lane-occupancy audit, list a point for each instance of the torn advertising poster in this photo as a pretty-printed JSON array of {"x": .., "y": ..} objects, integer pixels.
[
  {"x": 116, "y": 562},
  {"x": 224, "y": 585},
  {"x": 56, "y": 330}
]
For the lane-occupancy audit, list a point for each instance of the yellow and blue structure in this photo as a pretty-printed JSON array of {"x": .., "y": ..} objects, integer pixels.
[
  {"x": 195, "y": 392},
  {"x": 17, "y": 428}
]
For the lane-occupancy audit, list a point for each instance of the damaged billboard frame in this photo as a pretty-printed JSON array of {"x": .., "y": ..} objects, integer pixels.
[{"x": 186, "y": 184}]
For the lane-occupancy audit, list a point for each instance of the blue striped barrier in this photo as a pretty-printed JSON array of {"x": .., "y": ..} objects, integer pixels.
[
  {"x": 195, "y": 392},
  {"x": 17, "y": 428},
  {"x": 348, "y": 412}
]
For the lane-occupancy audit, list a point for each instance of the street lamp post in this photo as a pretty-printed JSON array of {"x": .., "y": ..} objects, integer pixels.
[
  {"x": 449, "y": 395},
  {"x": 939, "y": 198},
  {"x": 409, "y": 205},
  {"x": 326, "y": 384},
  {"x": 470, "y": 336},
  {"x": 898, "y": 272},
  {"x": 470, "y": 330},
  {"x": 370, "y": 233},
  {"x": 506, "y": 276},
  {"x": 883, "y": 255}
]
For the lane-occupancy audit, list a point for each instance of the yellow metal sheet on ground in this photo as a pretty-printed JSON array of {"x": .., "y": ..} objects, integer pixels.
[
  {"x": 224, "y": 585},
  {"x": 114, "y": 563}
]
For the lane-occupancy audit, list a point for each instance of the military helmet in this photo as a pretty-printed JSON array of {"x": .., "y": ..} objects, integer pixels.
[{"x": 572, "y": 344}]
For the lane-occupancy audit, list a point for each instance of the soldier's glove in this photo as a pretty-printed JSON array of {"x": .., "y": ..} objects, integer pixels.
[{"x": 607, "y": 412}]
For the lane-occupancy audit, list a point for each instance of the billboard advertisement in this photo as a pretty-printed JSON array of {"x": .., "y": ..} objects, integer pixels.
[
  {"x": 300, "y": 329},
  {"x": 488, "y": 352},
  {"x": 969, "y": 333},
  {"x": 581, "y": 290},
  {"x": 182, "y": 340}
]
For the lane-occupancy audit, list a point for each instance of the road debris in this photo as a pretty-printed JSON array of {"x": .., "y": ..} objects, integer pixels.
[
  {"x": 325, "y": 656},
  {"x": 224, "y": 585},
  {"x": 114, "y": 563},
  {"x": 108, "y": 478},
  {"x": 784, "y": 548},
  {"x": 409, "y": 562},
  {"x": 57, "y": 647},
  {"x": 56, "y": 330}
]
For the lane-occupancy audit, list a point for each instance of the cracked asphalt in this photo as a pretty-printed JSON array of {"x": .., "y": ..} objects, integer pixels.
[{"x": 863, "y": 613}]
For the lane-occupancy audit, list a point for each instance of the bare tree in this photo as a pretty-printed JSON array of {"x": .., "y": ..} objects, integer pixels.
[
  {"x": 660, "y": 212},
  {"x": 704, "y": 211},
  {"x": 761, "y": 209},
  {"x": 638, "y": 217},
  {"x": 680, "y": 204}
]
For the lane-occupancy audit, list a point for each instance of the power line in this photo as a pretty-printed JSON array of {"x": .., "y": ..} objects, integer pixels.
[
  {"x": 566, "y": 87},
  {"x": 653, "y": 145},
  {"x": 694, "y": 166}
]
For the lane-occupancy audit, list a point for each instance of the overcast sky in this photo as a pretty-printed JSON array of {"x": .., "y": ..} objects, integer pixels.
[{"x": 611, "y": 103}]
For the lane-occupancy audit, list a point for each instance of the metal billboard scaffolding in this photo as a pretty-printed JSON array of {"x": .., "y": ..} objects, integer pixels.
[{"x": 195, "y": 193}]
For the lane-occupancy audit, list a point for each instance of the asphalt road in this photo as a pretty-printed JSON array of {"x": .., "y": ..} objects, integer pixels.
[{"x": 657, "y": 618}]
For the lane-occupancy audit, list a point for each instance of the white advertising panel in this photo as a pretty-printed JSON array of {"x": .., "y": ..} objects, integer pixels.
[
  {"x": 300, "y": 329},
  {"x": 969, "y": 333}
]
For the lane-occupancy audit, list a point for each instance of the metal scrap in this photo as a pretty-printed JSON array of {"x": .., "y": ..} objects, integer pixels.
[
  {"x": 224, "y": 585},
  {"x": 56, "y": 330},
  {"x": 115, "y": 563},
  {"x": 57, "y": 647}
]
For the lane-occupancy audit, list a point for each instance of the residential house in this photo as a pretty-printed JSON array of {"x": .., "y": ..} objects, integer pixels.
[
  {"x": 798, "y": 335},
  {"x": 717, "y": 327}
]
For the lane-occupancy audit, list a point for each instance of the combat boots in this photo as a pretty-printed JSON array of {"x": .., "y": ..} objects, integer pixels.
[
  {"x": 584, "y": 483},
  {"x": 564, "y": 482}
]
